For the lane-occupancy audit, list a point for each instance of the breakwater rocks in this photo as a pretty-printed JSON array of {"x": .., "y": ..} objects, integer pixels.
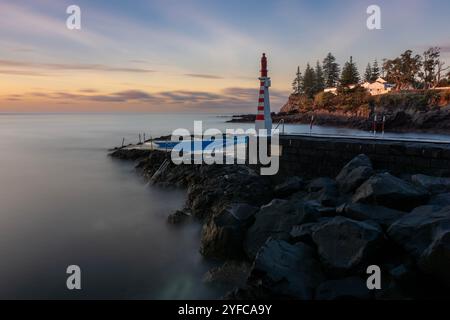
[{"x": 297, "y": 238}]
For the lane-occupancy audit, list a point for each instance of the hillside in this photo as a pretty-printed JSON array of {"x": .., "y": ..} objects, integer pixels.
[{"x": 427, "y": 111}]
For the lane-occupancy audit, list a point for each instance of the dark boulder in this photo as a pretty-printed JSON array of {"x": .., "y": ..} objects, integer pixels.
[
  {"x": 440, "y": 200},
  {"x": 354, "y": 174},
  {"x": 359, "y": 161},
  {"x": 223, "y": 234},
  {"x": 425, "y": 234},
  {"x": 379, "y": 214},
  {"x": 432, "y": 184},
  {"x": 323, "y": 190},
  {"x": 289, "y": 187},
  {"x": 130, "y": 154},
  {"x": 286, "y": 270},
  {"x": 214, "y": 187},
  {"x": 303, "y": 233},
  {"x": 389, "y": 191},
  {"x": 352, "y": 288},
  {"x": 179, "y": 217},
  {"x": 276, "y": 220},
  {"x": 344, "y": 245},
  {"x": 229, "y": 275},
  {"x": 320, "y": 184}
]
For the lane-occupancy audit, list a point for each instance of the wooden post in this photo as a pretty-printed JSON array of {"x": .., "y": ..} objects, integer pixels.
[{"x": 123, "y": 142}]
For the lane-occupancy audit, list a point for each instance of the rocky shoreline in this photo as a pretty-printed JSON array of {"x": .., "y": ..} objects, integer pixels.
[
  {"x": 297, "y": 238},
  {"x": 434, "y": 121}
]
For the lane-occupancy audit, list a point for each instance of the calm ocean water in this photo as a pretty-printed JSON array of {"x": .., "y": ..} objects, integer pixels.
[{"x": 64, "y": 202}]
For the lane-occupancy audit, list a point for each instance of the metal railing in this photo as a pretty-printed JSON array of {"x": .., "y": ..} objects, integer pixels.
[{"x": 281, "y": 122}]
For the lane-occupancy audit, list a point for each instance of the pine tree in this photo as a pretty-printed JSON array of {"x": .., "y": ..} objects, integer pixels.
[
  {"x": 375, "y": 71},
  {"x": 320, "y": 80},
  {"x": 331, "y": 71},
  {"x": 309, "y": 81},
  {"x": 350, "y": 74},
  {"x": 297, "y": 83},
  {"x": 368, "y": 74}
]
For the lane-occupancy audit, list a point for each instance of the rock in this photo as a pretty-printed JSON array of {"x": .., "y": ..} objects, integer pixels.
[
  {"x": 321, "y": 183},
  {"x": 288, "y": 187},
  {"x": 288, "y": 271},
  {"x": 403, "y": 273},
  {"x": 323, "y": 190},
  {"x": 345, "y": 244},
  {"x": 432, "y": 184},
  {"x": 353, "y": 288},
  {"x": 230, "y": 275},
  {"x": 354, "y": 179},
  {"x": 359, "y": 161},
  {"x": 248, "y": 292},
  {"x": 392, "y": 192},
  {"x": 223, "y": 235},
  {"x": 214, "y": 187},
  {"x": 242, "y": 211},
  {"x": 379, "y": 214},
  {"x": 425, "y": 234},
  {"x": 440, "y": 200},
  {"x": 303, "y": 233},
  {"x": 435, "y": 260},
  {"x": 179, "y": 217},
  {"x": 277, "y": 219},
  {"x": 130, "y": 154},
  {"x": 354, "y": 173}
]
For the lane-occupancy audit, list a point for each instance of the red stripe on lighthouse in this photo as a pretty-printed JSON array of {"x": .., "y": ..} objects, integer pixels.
[{"x": 260, "y": 117}]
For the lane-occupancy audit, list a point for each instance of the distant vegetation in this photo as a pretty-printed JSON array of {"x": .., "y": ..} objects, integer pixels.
[
  {"x": 412, "y": 76},
  {"x": 409, "y": 71}
]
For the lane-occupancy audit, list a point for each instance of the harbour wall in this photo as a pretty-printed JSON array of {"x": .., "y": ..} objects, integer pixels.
[{"x": 325, "y": 156}]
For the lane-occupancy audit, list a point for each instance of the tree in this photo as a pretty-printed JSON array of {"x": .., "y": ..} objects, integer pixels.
[
  {"x": 404, "y": 70},
  {"x": 368, "y": 73},
  {"x": 430, "y": 64},
  {"x": 309, "y": 81},
  {"x": 320, "y": 80},
  {"x": 331, "y": 71},
  {"x": 433, "y": 68},
  {"x": 375, "y": 71},
  {"x": 350, "y": 74},
  {"x": 297, "y": 83}
]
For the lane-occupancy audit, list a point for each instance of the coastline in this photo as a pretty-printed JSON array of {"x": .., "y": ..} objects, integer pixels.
[
  {"x": 261, "y": 236},
  {"x": 400, "y": 123}
]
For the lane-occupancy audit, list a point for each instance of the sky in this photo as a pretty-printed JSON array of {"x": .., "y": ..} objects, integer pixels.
[{"x": 192, "y": 56}]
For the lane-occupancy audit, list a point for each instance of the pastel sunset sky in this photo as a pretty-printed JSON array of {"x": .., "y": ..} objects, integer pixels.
[{"x": 199, "y": 56}]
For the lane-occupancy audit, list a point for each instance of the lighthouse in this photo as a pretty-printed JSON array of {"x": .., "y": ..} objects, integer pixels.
[{"x": 263, "y": 117}]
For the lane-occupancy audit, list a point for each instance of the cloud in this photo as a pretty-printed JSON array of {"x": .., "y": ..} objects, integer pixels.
[
  {"x": 234, "y": 99},
  {"x": 30, "y": 66},
  {"x": 26, "y": 20},
  {"x": 203, "y": 76},
  {"x": 22, "y": 73}
]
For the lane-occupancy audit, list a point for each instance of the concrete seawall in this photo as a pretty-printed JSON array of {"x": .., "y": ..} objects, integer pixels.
[{"x": 325, "y": 156}]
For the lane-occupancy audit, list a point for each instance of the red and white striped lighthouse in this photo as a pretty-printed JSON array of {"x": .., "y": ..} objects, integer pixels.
[{"x": 263, "y": 117}]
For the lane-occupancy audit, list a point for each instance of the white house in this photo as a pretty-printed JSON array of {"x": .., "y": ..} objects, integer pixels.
[
  {"x": 331, "y": 90},
  {"x": 380, "y": 86}
]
